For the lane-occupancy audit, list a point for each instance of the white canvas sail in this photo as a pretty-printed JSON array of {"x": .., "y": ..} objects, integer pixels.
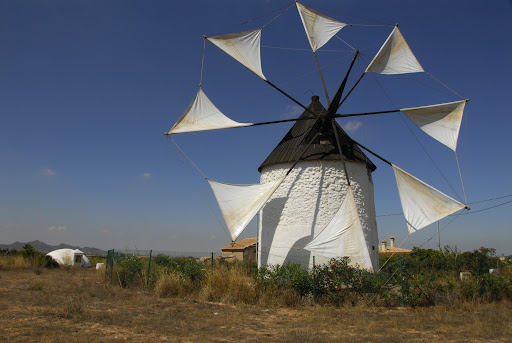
[
  {"x": 422, "y": 204},
  {"x": 240, "y": 203},
  {"x": 441, "y": 122},
  {"x": 319, "y": 28},
  {"x": 243, "y": 47},
  {"x": 395, "y": 57},
  {"x": 343, "y": 236},
  {"x": 202, "y": 115}
]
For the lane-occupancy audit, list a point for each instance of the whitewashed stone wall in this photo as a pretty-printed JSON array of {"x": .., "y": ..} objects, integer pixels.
[{"x": 305, "y": 203}]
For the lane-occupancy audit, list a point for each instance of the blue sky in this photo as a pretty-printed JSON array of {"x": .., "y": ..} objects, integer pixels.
[{"x": 87, "y": 89}]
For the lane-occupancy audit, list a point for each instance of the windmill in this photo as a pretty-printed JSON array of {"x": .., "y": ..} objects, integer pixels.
[{"x": 315, "y": 195}]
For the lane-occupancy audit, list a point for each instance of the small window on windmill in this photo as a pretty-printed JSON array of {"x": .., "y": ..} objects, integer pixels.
[{"x": 325, "y": 138}]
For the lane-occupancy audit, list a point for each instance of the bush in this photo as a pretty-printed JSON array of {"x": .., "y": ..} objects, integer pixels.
[
  {"x": 186, "y": 266},
  {"x": 161, "y": 260},
  {"x": 290, "y": 275},
  {"x": 129, "y": 270},
  {"x": 338, "y": 282}
]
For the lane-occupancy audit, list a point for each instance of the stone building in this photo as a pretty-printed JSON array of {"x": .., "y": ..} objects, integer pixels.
[
  {"x": 391, "y": 249},
  {"x": 243, "y": 250}
]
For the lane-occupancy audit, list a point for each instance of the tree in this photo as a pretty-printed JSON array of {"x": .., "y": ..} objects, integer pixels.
[{"x": 28, "y": 250}]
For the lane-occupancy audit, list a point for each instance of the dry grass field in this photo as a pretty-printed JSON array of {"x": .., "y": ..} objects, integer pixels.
[{"x": 74, "y": 305}]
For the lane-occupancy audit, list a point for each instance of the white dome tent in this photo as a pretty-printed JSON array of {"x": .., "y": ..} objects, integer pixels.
[{"x": 70, "y": 257}]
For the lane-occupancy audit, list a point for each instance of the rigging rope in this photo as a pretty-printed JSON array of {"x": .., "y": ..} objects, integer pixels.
[
  {"x": 280, "y": 14},
  {"x": 461, "y": 181},
  {"x": 350, "y": 46},
  {"x": 371, "y": 25},
  {"x": 500, "y": 197},
  {"x": 418, "y": 81},
  {"x": 300, "y": 49},
  {"x": 249, "y": 99},
  {"x": 188, "y": 158},
  {"x": 202, "y": 63},
  {"x": 264, "y": 15},
  {"x": 178, "y": 149},
  {"x": 463, "y": 214},
  {"x": 451, "y": 221},
  {"x": 415, "y": 137},
  {"x": 355, "y": 16},
  {"x": 454, "y": 92},
  {"x": 258, "y": 17},
  {"x": 188, "y": 80},
  {"x": 393, "y": 254},
  {"x": 488, "y": 208}
]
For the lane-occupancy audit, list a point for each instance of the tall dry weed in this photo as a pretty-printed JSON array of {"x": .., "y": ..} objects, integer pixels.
[
  {"x": 14, "y": 262},
  {"x": 282, "y": 297},
  {"x": 229, "y": 285},
  {"x": 173, "y": 285}
]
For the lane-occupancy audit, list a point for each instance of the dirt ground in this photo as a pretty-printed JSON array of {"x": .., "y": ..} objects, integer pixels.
[{"x": 76, "y": 306}]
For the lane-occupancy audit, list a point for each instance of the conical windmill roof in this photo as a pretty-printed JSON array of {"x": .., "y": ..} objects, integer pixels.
[{"x": 324, "y": 147}]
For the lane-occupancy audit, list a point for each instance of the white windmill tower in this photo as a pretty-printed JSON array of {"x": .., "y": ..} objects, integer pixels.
[{"x": 308, "y": 199}]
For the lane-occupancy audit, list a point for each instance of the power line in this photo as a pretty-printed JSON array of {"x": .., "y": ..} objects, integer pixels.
[{"x": 504, "y": 196}]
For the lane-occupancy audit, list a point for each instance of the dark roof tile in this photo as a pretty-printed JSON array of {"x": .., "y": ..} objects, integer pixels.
[{"x": 324, "y": 147}]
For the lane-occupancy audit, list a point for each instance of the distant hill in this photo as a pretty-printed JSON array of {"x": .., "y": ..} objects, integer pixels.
[{"x": 45, "y": 248}]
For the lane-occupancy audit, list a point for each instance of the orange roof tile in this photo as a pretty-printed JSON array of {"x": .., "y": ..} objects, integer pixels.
[{"x": 240, "y": 245}]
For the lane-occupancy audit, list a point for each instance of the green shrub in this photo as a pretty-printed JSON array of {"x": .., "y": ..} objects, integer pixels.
[
  {"x": 161, "y": 260},
  {"x": 290, "y": 275},
  {"x": 129, "y": 270},
  {"x": 338, "y": 282},
  {"x": 185, "y": 266}
]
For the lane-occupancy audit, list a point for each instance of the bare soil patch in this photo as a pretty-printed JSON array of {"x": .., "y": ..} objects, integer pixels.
[{"x": 77, "y": 306}]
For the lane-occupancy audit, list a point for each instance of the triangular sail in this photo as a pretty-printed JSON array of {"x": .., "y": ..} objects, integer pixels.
[
  {"x": 319, "y": 28},
  {"x": 395, "y": 57},
  {"x": 441, "y": 122},
  {"x": 202, "y": 115},
  {"x": 240, "y": 203},
  {"x": 243, "y": 47},
  {"x": 422, "y": 204},
  {"x": 343, "y": 236}
]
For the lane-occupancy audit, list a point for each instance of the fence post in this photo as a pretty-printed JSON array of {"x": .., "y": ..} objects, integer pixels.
[
  {"x": 402, "y": 282},
  {"x": 109, "y": 266},
  {"x": 112, "y": 264},
  {"x": 149, "y": 269},
  {"x": 314, "y": 280},
  {"x": 212, "y": 260},
  {"x": 477, "y": 267}
]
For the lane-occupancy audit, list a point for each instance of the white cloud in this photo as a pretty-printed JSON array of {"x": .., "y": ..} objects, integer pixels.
[
  {"x": 352, "y": 125},
  {"x": 146, "y": 175},
  {"x": 292, "y": 111},
  {"x": 48, "y": 172},
  {"x": 57, "y": 228}
]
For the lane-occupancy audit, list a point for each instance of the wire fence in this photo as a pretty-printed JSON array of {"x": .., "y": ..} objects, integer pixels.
[
  {"x": 426, "y": 278},
  {"x": 127, "y": 267}
]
